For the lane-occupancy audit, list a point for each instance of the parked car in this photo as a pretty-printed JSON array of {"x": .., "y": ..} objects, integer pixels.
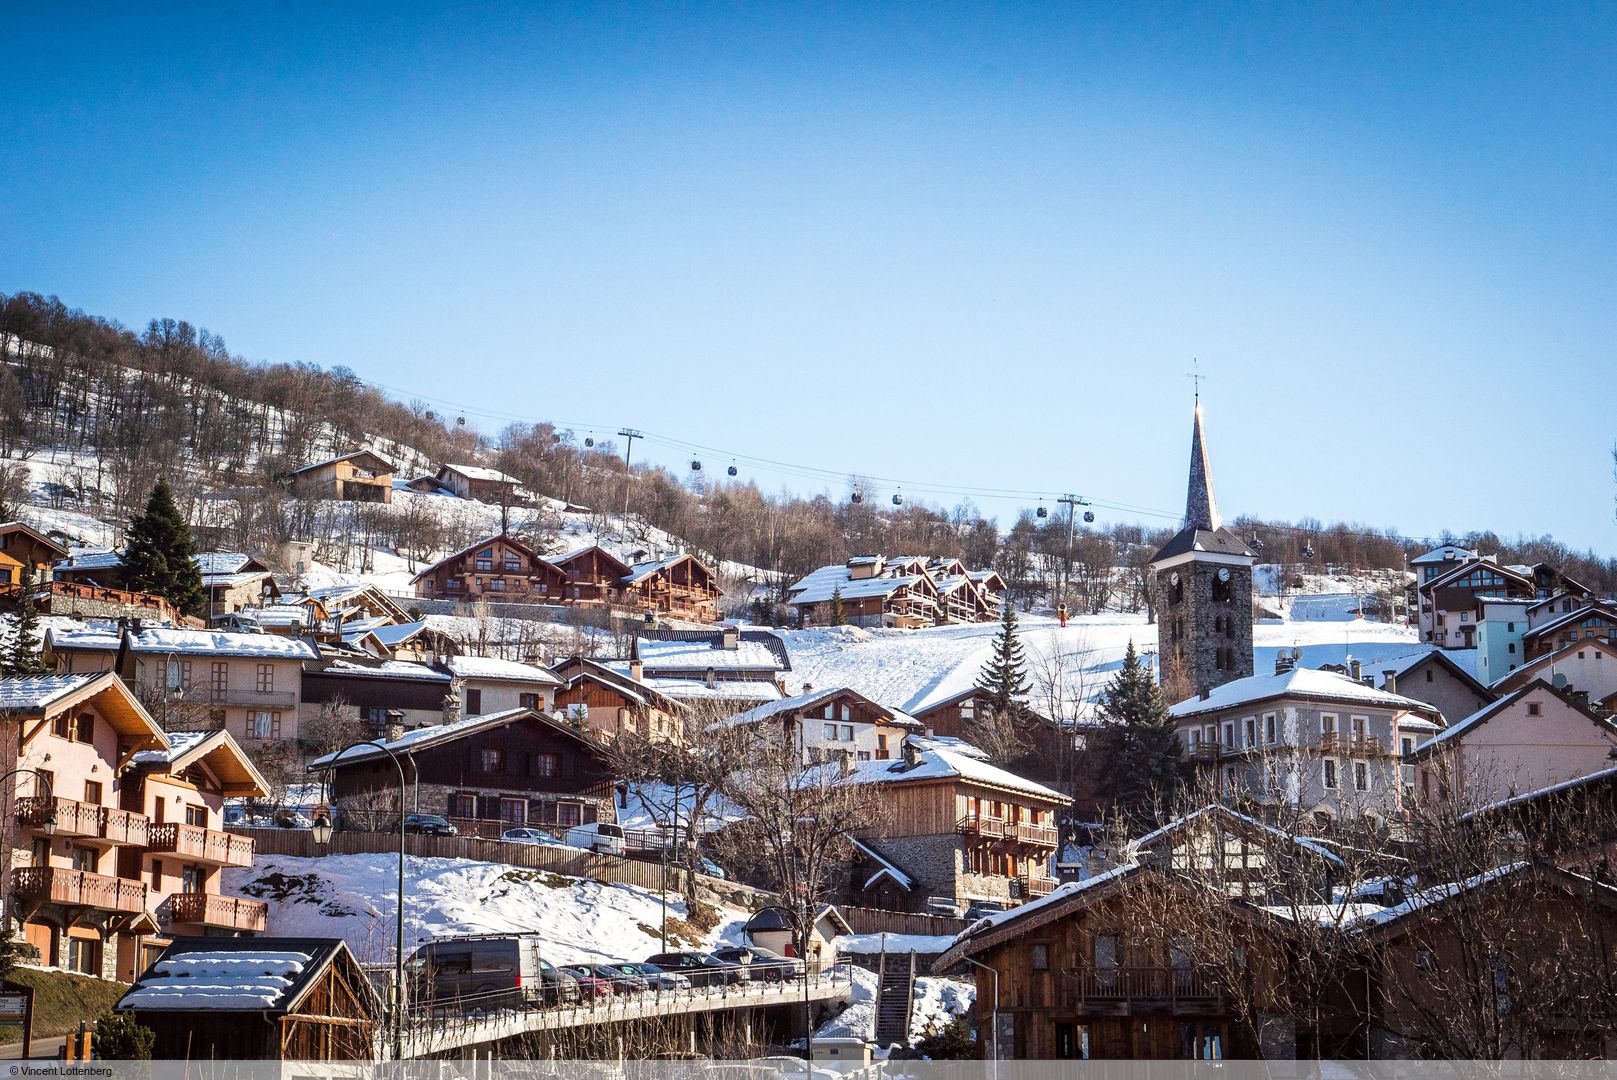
[
  {"x": 603, "y": 836},
  {"x": 592, "y": 986},
  {"x": 656, "y": 977},
  {"x": 622, "y": 981},
  {"x": 430, "y": 824},
  {"x": 761, "y": 965},
  {"x": 499, "y": 970},
  {"x": 525, "y": 835},
  {"x": 702, "y": 968}
]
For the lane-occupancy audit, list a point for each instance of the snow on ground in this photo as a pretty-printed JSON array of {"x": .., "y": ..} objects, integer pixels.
[
  {"x": 914, "y": 669},
  {"x": 873, "y": 944},
  {"x": 353, "y": 897},
  {"x": 937, "y": 1001}
]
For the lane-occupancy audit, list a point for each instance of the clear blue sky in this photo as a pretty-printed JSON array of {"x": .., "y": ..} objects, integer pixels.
[{"x": 972, "y": 245}]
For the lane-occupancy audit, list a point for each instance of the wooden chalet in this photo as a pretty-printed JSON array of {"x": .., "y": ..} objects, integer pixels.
[
  {"x": 680, "y": 586},
  {"x": 265, "y": 999},
  {"x": 235, "y": 581},
  {"x": 495, "y": 568},
  {"x": 21, "y": 546},
  {"x": 357, "y": 476},
  {"x": 515, "y": 767},
  {"x": 594, "y": 575},
  {"x": 610, "y": 703},
  {"x": 908, "y": 592},
  {"x": 478, "y": 482},
  {"x": 1593, "y": 621}
]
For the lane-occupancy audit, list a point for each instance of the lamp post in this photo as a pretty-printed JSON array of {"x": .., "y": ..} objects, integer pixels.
[
  {"x": 322, "y": 836},
  {"x": 993, "y": 1037}
]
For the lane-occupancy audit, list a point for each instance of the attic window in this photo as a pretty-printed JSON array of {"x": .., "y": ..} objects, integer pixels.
[{"x": 1533, "y": 708}]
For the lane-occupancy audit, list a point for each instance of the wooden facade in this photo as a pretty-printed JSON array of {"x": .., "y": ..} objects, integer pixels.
[
  {"x": 611, "y": 704},
  {"x": 594, "y": 575},
  {"x": 21, "y": 546},
  {"x": 681, "y": 587},
  {"x": 499, "y": 568},
  {"x": 358, "y": 476}
]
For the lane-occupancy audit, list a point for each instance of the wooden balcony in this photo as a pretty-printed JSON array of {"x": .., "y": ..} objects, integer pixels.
[
  {"x": 1036, "y": 835},
  {"x": 990, "y": 827},
  {"x": 211, "y": 909},
  {"x": 1035, "y": 887},
  {"x": 41, "y": 885},
  {"x": 83, "y": 820},
  {"x": 1361, "y": 746},
  {"x": 201, "y": 845},
  {"x": 1158, "y": 985}
]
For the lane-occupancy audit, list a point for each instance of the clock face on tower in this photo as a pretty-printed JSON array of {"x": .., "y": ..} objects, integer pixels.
[
  {"x": 1223, "y": 573},
  {"x": 1174, "y": 580}
]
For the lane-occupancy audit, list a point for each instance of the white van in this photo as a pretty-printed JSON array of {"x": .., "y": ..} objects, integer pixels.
[{"x": 602, "y": 836}]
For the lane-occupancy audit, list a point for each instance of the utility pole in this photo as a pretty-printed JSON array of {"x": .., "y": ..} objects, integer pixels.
[
  {"x": 1071, "y": 502},
  {"x": 631, "y": 435}
]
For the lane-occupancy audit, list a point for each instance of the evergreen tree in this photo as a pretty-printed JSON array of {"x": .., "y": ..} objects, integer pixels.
[
  {"x": 1003, "y": 679},
  {"x": 1139, "y": 764},
  {"x": 160, "y": 554},
  {"x": 22, "y": 656},
  {"x": 839, "y": 617}
]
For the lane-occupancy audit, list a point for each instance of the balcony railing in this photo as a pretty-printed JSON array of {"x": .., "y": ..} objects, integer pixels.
[
  {"x": 79, "y": 819},
  {"x": 1144, "y": 984},
  {"x": 272, "y": 699},
  {"x": 78, "y": 888},
  {"x": 1350, "y": 745},
  {"x": 975, "y": 825},
  {"x": 1040, "y": 835},
  {"x": 201, "y": 844},
  {"x": 1035, "y": 887},
  {"x": 211, "y": 909}
]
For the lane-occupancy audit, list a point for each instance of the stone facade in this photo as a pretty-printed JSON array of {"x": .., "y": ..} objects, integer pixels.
[{"x": 1206, "y": 622}]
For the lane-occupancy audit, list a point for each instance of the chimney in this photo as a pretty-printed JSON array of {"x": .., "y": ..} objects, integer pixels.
[
  {"x": 531, "y": 659},
  {"x": 395, "y": 725},
  {"x": 1284, "y": 662},
  {"x": 1389, "y": 681},
  {"x": 1580, "y": 698},
  {"x": 637, "y": 670},
  {"x": 912, "y": 754},
  {"x": 712, "y": 679},
  {"x": 808, "y": 688},
  {"x": 1206, "y": 692},
  {"x": 1356, "y": 670},
  {"x": 844, "y": 762},
  {"x": 451, "y": 707},
  {"x": 732, "y": 638}
]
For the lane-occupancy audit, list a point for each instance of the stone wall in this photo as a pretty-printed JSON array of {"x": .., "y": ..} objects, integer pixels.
[{"x": 1208, "y": 629}]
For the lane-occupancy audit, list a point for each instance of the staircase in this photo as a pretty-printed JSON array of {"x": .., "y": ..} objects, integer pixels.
[{"x": 895, "y": 997}]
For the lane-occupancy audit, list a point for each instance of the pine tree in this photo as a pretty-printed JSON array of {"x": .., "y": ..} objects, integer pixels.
[
  {"x": 22, "y": 656},
  {"x": 1003, "y": 679},
  {"x": 839, "y": 617},
  {"x": 1138, "y": 762},
  {"x": 160, "y": 556}
]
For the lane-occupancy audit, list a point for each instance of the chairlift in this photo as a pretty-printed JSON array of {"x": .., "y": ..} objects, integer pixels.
[
  {"x": 857, "y": 496},
  {"x": 732, "y": 469},
  {"x": 1256, "y": 544},
  {"x": 460, "y": 421},
  {"x": 589, "y": 441},
  {"x": 1089, "y": 517},
  {"x": 1041, "y": 512},
  {"x": 1308, "y": 550},
  {"x": 696, "y": 466}
]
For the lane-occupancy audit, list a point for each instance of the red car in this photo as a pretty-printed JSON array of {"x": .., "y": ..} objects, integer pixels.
[{"x": 590, "y": 985}]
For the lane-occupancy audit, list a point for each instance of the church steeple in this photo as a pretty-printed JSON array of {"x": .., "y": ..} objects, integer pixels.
[{"x": 1201, "y": 510}]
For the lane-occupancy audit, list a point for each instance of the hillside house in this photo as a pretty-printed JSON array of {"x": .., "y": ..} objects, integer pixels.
[
  {"x": 594, "y": 575},
  {"x": 357, "y": 476},
  {"x": 610, "y": 703},
  {"x": 498, "y": 568},
  {"x": 1320, "y": 741},
  {"x": 379, "y": 693},
  {"x": 1504, "y": 623},
  {"x": 680, "y": 587},
  {"x": 487, "y": 684},
  {"x": 1595, "y": 620},
  {"x": 20, "y": 547},
  {"x": 833, "y": 724},
  {"x": 247, "y": 684},
  {"x": 1051, "y": 748},
  {"x": 870, "y": 593},
  {"x": 235, "y": 581},
  {"x": 75, "y": 736},
  {"x": 1532, "y": 738},
  {"x": 181, "y": 790},
  {"x": 1451, "y": 603},
  {"x": 1435, "y": 678},
  {"x": 730, "y": 670},
  {"x": 1587, "y": 667},
  {"x": 959, "y": 829},
  {"x": 478, "y": 482},
  {"x": 512, "y": 768}
]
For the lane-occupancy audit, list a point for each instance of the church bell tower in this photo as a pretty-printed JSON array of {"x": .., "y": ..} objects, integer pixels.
[{"x": 1203, "y": 580}]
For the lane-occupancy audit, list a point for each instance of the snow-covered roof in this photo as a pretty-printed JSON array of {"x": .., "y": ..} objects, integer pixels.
[
  {"x": 1446, "y": 553},
  {"x": 92, "y": 560},
  {"x": 222, "y": 562},
  {"x": 737, "y": 691},
  {"x": 163, "y": 639},
  {"x": 1587, "y": 611},
  {"x": 421, "y": 738},
  {"x": 33, "y": 693},
  {"x": 489, "y": 667},
  {"x": 698, "y": 654},
  {"x": 180, "y": 743},
  {"x": 938, "y": 763},
  {"x": 229, "y": 980},
  {"x": 640, "y": 571},
  {"x": 816, "y": 592},
  {"x": 481, "y": 472},
  {"x": 811, "y": 700},
  {"x": 1065, "y": 891},
  {"x": 884, "y": 866},
  {"x": 395, "y": 634},
  {"x": 386, "y": 465},
  {"x": 1539, "y": 793},
  {"x": 385, "y": 669},
  {"x": 1235, "y": 818},
  {"x": 1298, "y": 682}
]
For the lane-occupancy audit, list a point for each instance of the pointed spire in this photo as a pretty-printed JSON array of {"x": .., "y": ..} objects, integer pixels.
[{"x": 1201, "y": 511}]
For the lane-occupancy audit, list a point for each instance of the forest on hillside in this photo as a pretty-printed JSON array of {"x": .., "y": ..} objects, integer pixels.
[{"x": 171, "y": 400}]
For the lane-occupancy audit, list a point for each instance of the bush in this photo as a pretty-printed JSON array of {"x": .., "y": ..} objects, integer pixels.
[
  {"x": 953, "y": 1042},
  {"x": 119, "y": 1037}
]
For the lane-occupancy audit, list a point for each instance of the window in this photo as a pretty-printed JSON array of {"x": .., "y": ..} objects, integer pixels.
[
  {"x": 845, "y": 713},
  {"x": 1269, "y": 727},
  {"x": 863, "y": 755},
  {"x": 84, "y": 728},
  {"x": 1250, "y": 725},
  {"x": 513, "y": 561},
  {"x": 492, "y": 759},
  {"x": 1533, "y": 708},
  {"x": 513, "y": 811},
  {"x": 197, "y": 815},
  {"x": 266, "y": 678},
  {"x": 881, "y": 745},
  {"x": 1106, "y": 959},
  {"x": 62, "y": 727},
  {"x": 462, "y": 806},
  {"x": 1190, "y": 740},
  {"x": 157, "y": 874},
  {"x": 569, "y": 813},
  {"x": 1229, "y": 734},
  {"x": 496, "y": 584},
  {"x": 474, "y": 702},
  {"x": 1039, "y": 956},
  {"x": 528, "y": 701},
  {"x": 263, "y": 725},
  {"x": 547, "y": 765},
  {"x": 967, "y": 708},
  {"x": 830, "y": 733},
  {"x": 485, "y": 560},
  {"x": 1330, "y": 774},
  {"x": 1510, "y": 627},
  {"x": 847, "y": 733},
  {"x": 1361, "y": 776},
  {"x": 87, "y": 859},
  {"x": 92, "y": 792},
  {"x": 1511, "y": 648},
  {"x": 452, "y": 585},
  {"x": 1406, "y": 745},
  {"x": 84, "y": 955},
  {"x": 193, "y": 879}
]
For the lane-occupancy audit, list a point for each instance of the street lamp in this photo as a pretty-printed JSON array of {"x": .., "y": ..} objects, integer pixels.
[
  {"x": 322, "y": 836},
  {"x": 993, "y": 1037}
]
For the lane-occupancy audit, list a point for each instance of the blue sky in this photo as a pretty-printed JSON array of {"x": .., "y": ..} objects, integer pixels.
[{"x": 967, "y": 246}]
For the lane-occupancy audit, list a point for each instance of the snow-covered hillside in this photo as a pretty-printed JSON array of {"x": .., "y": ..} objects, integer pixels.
[{"x": 355, "y": 897}]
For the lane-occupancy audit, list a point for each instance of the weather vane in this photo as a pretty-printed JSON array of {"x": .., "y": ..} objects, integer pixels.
[{"x": 1195, "y": 375}]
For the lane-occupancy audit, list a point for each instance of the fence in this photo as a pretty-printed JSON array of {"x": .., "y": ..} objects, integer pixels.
[{"x": 876, "y": 921}]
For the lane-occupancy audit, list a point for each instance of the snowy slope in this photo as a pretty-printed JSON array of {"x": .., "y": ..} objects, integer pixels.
[
  {"x": 937, "y": 1001},
  {"x": 354, "y": 897}
]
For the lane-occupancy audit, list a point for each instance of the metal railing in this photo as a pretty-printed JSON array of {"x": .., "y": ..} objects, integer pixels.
[{"x": 202, "y": 844}]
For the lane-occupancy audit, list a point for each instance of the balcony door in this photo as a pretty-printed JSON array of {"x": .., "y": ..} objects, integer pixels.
[
  {"x": 86, "y": 859},
  {"x": 193, "y": 879}
]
